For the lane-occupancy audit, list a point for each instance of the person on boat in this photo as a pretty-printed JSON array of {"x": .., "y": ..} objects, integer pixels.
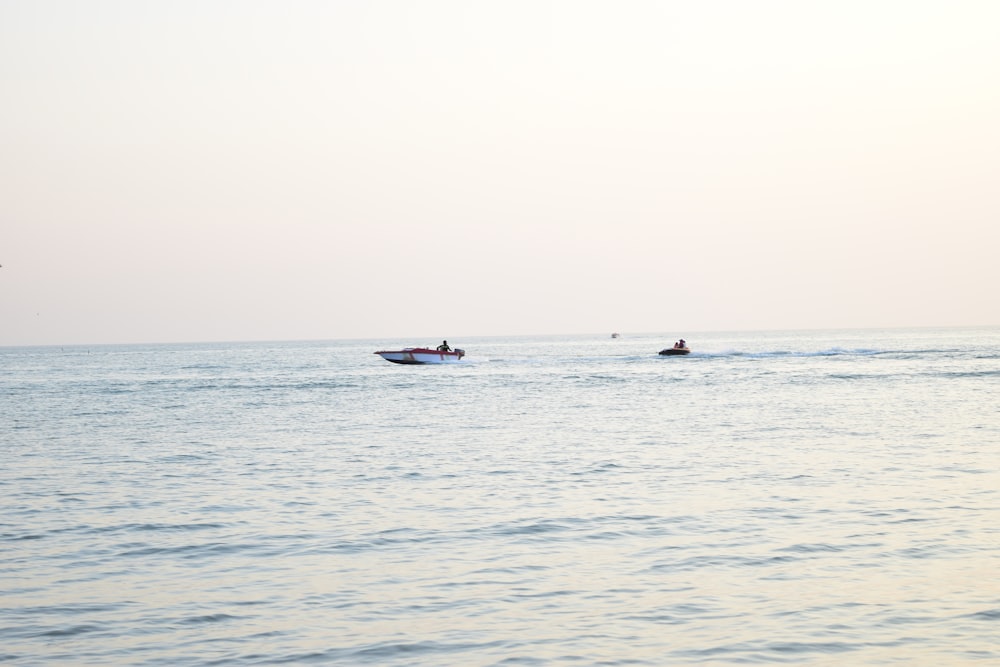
[
  {"x": 680, "y": 345},
  {"x": 444, "y": 347}
]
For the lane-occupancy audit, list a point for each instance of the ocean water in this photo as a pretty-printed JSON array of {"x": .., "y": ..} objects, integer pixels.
[{"x": 773, "y": 498}]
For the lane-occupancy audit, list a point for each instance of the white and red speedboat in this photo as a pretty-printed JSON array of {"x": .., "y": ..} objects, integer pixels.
[{"x": 422, "y": 355}]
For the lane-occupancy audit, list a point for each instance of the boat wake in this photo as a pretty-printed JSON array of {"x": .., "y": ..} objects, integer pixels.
[{"x": 770, "y": 354}]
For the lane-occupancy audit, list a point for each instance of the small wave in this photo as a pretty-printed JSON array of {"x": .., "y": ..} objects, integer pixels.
[
  {"x": 73, "y": 608},
  {"x": 724, "y": 561},
  {"x": 533, "y": 528},
  {"x": 313, "y": 384},
  {"x": 416, "y": 651},
  {"x": 598, "y": 468},
  {"x": 967, "y": 374},
  {"x": 764, "y": 652},
  {"x": 209, "y": 618},
  {"x": 909, "y": 620},
  {"x": 811, "y": 647},
  {"x": 822, "y": 547},
  {"x": 183, "y": 457},
  {"x": 14, "y": 537},
  {"x": 988, "y": 615},
  {"x": 70, "y": 631},
  {"x": 859, "y": 376},
  {"x": 597, "y": 377},
  {"x": 157, "y": 527},
  {"x": 190, "y": 551}
]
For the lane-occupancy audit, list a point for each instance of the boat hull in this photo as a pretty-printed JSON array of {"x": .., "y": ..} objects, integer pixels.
[
  {"x": 674, "y": 351},
  {"x": 416, "y": 356}
]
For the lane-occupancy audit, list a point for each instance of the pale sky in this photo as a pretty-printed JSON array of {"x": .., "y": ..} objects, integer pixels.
[{"x": 252, "y": 170}]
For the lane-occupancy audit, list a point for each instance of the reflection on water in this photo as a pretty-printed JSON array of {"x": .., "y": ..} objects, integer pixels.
[{"x": 811, "y": 497}]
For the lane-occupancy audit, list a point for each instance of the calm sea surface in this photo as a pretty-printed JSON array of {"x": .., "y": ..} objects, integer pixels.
[{"x": 782, "y": 497}]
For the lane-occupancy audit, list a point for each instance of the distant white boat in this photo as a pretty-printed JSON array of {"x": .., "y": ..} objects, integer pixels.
[{"x": 422, "y": 355}]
